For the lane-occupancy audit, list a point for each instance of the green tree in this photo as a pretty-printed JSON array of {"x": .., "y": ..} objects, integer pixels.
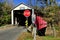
[{"x": 5, "y": 13}]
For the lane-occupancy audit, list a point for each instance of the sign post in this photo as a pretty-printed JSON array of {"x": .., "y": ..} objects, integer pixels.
[
  {"x": 26, "y": 14},
  {"x": 34, "y": 27}
]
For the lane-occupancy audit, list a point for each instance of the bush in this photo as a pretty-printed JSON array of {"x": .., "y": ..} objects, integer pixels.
[{"x": 5, "y": 20}]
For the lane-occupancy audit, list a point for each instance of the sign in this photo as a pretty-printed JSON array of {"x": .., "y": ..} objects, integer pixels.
[{"x": 26, "y": 13}]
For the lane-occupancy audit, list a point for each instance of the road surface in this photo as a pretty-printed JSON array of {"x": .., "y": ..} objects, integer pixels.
[{"x": 11, "y": 34}]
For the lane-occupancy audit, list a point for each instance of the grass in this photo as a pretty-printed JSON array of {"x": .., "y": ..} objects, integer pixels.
[
  {"x": 51, "y": 38},
  {"x": 28, "y": 36},
  {"x": 57, "y": 28},
  {"x": 25, "y": 36}
]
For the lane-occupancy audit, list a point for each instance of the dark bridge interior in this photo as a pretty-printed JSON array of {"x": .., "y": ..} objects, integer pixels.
[{"x": 21, "y": 18}]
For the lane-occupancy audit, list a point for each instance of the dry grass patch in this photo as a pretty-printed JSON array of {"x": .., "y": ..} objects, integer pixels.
[{"x": 28, "y": 36}]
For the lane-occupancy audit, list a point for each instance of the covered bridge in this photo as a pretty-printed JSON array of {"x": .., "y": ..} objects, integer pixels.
[{"x": 17, "y": 17}]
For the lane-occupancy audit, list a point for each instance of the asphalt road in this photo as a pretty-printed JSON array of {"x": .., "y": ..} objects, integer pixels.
[{"x": 11, "y": 34}]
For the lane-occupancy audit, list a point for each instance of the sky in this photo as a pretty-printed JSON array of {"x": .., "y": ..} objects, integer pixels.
[
  {"x": 58, "y": 1},
  {"x": 17, "y": 2}
]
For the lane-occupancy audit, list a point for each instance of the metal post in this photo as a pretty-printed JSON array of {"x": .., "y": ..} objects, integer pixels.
[
  {"x": 34, "y": 33},
  {"x": 34, "y": 27}
]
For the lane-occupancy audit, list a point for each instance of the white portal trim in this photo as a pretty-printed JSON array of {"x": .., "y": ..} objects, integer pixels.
[
  {"x": 22, "y": 6},
  {"x": 12, "y": 17}
]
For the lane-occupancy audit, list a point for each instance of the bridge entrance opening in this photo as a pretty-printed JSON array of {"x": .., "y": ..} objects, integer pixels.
[{"x": 20, "y": 18}]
